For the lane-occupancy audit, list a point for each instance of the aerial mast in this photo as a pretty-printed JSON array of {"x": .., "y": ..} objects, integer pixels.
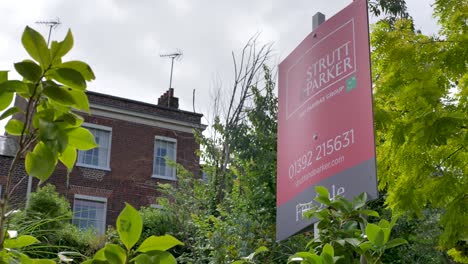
[
  {"x": 51, "y": 24},
  {"x": 176, "y": 55}
]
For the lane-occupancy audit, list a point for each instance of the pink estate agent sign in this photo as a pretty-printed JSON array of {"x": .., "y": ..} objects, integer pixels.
[{"x": 325, "y": 118}]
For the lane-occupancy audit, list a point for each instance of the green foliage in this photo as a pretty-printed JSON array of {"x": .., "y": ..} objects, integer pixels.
[
  {"x": 421, "y": 117},
  {"x": 326, "y": 257},
  {"x": 47, "y": 219},
  {"x": 151, "y": 250},
  {"x": 391, "y": 8},
  {"x": 157, "y": 222},
  {"x": 458, "y": 256},
  {"x": 51, "y": 88},
  {"x": 45, "y": 203},
  {"x": 344, "y": 232},
  {"x": 129, "y": 226},
  {"x": 250, "y": 258},
  {"x": 224, "y": 230},
  {"x": 47, "y": 131},
  {"x": 421, "y": 234}
]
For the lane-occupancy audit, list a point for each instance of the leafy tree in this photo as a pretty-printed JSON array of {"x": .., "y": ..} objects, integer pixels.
[
  {"x": 47, "y": 129},
  {"x": 229, "y": 113},
  {"x": 421, "y": 118}
]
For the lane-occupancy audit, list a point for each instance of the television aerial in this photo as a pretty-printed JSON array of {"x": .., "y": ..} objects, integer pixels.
[
  {"x": 51, "y": 24},
  {"x": 176, "y": 55}
]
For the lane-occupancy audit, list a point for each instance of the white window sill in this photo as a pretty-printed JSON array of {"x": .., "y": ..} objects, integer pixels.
[
  {"x": 93, "y": 167},
  {"x": 163, "y": 177}
]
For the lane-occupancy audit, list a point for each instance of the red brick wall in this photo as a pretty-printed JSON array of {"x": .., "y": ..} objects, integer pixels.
[
  {"x": 19, "y": 180},
  {"x": 131, "y": 163},
  {"x": 131, "y": 160}
]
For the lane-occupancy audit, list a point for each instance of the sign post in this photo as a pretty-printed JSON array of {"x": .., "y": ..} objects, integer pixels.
[{"x": 325, "y": 118}]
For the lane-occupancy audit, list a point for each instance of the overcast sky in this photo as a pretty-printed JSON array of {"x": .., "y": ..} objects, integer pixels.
[{"x": 122, "y": 39}]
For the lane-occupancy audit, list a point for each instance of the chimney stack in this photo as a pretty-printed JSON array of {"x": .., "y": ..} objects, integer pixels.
[{"x": 168, "y": 99}]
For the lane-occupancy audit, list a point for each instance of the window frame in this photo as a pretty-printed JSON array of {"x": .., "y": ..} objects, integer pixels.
[
  {"x": 103, "y": 128},
  {"x": 165, "y": 177},
  {"x": 96, "y": 199}
]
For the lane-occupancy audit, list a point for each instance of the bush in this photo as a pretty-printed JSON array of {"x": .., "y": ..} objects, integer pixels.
[
  {"x": 157, "y": 222},
  {"x": 47, "y": 218}
]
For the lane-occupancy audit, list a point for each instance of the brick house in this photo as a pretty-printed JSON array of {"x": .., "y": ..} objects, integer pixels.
[{"x": 133, "y": 137}]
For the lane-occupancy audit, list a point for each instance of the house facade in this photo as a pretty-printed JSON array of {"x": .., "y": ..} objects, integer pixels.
[{"x": 134, "y": 140}]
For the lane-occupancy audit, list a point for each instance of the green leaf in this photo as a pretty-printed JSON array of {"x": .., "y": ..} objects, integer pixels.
[
  {"x": 260, "y": 250},
  {"x": 36, "y": 46},
  {"x": 11, "y": 111},
  {"x": 15, "y": 127},
  {"x": 46, "y": 114},
  {"x": 69, "y": 120},
  {"x": 59, "y": 95},
  {"x": 328, "y": 249},
  {"x": 307, "y": 257},
  {"x": 322, "y": 191},
  {"x": 29, "y": 70},
  {"x": 322, "y": 199},
  {"x": 81, "y": 100},
  {"x": 60, "y": 49},
  {"x": 384, "y": 223},
  {"x": 386, "y": 229},
  {"x": 350, "y": 225},
  {"x": 20, "y": 242},
  {"x": 24, "y": 259},
  {"x": 369, "y": 212},
  {"x": 69, "y": 77},
  {"x": 327, "y": 259},
  {"x": 352, "y": 241},
  {"x": 68, "y": 157},
  {"x": 161, "y": 243},
  {"x": 81, "y": 138},
  {"x": 5, "y": 100},
  {"x": 115, "y": 254},
  {"x": 13, "y": 86},
  {"x": 365, "y": 246},
  {"x": 129, "y": 226},
  {"x": 59, "y": 143},
  {"x": 375, "y": 234},
  {"x": 3, "y": 76},
  {"x": 41, "y": 162},
  {"x": 51, "y": 134},
  {"x": 360, "y": 200},
  {"x": 42, "y": 261},
  {"x": 160, "y": 257},
  {"x": 395, "y": 243},
  {"x": 341, "y": 204},
  {"x": 80, "y": 67},
  {"x": 100, "y": 255},
  {"x": 142, "y": 259}
]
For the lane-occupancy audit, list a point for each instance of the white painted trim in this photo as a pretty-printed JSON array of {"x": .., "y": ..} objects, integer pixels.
[
  {"x": 104, "y": 128},
  {"x": 145, "y": 119},
  {"x": 163, "y": 177},
  {"x": 167, "y": 139},
  {"x": 91, "y": 198},
  {"x": 94, "y": 199},
  {"x": 96, "y": 126}
]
